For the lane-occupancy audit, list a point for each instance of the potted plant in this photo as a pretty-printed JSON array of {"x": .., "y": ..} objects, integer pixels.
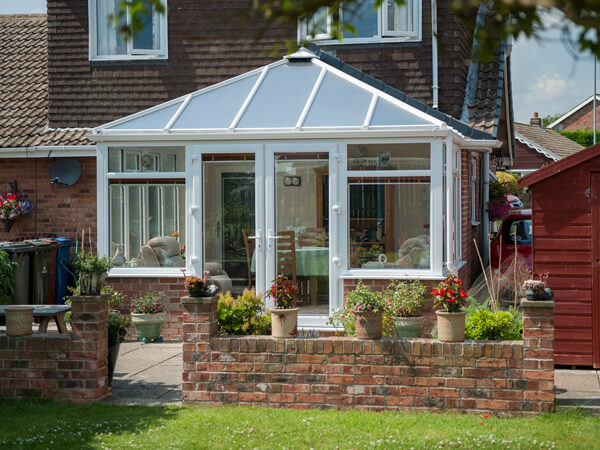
[
  {"x": 537, "y": 290},
  {"x": 405, "y": 300},
  {"x": 450, "y": 295},
  {"x": 11, "y": 207},
  {"x": 147, "y": 316},
  {"x": 199, "y": 287},
  {"x": 92, "y": 271},
  {"x": 367, "y": 307},
  {"x": 284, "y": 314},
  {"x": 117, "y": 328}
]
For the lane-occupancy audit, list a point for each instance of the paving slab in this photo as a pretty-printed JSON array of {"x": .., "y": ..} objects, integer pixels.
[
  {"x": 147, "y": 374},
  {"x": 577, "y": 389}
]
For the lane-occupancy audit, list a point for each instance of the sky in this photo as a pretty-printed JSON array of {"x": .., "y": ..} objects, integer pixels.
[{"x": 546, "y": 77}]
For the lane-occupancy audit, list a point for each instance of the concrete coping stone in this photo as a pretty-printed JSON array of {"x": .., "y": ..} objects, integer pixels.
[
  {"x": 537, "y": 303},
  {"x": 89, "y": 298},
  {"x": 199, "y": 300}
]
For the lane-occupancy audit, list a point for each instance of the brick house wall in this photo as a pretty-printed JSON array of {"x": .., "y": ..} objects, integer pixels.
[
  {"x": 204, "y": 50},
  {"x": 528, "y": 158},
  {"x": 59, "y": 210},
  {"x": 500, "y": 377},
  {"x": 580, "y": 120}
]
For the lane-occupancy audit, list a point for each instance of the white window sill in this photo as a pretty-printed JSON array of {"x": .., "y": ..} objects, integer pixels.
[
  {"x": 354, "y": 41},
  {"x": 146, "y": 272},
  {"x": 377, "y": 274},
  {"x": 119, "y": 58}
]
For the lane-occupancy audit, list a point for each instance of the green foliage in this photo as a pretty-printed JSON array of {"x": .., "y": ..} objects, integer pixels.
[
  {"x": 242, "y": 315},
  {"x": 547, "y": 120},
  {"x": 481, "y": 323},
  {"x": 363, "y": 299},
  {"x": 7, "y": 282},
  {"x": 405, "y": 298},
  {"x": 149, "y": 303},
  {"x": 283, "y": 292},
  {"x": 115, "y": 298},
  {"x": 582, "y": 137},
  {"x": 87, "y": 262},
  {"x": 509, "y": 181},
  {"x": 117, "y": 327}
]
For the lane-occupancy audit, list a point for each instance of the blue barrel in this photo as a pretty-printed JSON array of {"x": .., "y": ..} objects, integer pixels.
[{"x": 64, "y": 277}]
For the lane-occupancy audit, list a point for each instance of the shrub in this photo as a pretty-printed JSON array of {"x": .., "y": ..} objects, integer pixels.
[
  {"x": 582, "y": 137},
  {"x": 7, "y": 282},
  {"x": 509, "y": 181},
  {"x": 486, "y": 325},
  {"x": 149, "y": 303},
  {"x": 117, "y": 327},
  {"x": 405, "y": 298},
  {"x": 242, "y": 315}
]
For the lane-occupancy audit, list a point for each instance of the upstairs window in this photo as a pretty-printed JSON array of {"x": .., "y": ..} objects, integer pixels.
[
  {"x": 390, "y": 22},
  {"x": 107, "y": 44}
]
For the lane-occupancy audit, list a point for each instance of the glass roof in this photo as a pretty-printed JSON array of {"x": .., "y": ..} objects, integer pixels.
[{"x": 297, "y": 93}]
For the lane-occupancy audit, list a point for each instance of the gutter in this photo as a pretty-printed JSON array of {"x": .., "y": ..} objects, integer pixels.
[
  {"x": 46, "y": 151},
  {"x": 448, "y": 151},
  {"x": 434, "y": 53},
  {"x": 485, "y": 220}
]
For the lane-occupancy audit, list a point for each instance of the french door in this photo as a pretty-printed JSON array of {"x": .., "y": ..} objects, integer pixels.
[{"x": 258, "y": 210}]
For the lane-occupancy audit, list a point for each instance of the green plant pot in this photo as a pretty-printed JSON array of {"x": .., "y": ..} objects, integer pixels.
[
  {"x": 148, "y": 326},
  {"x": 409, "y": 327}
]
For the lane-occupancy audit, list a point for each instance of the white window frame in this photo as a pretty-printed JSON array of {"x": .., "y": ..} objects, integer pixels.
[
  {"x": 132, "y": 54},
  {"x": 474, "y": 191},
  {"x": 104, "y": 177},
  {"x": 457, "y": 203},
  {"x": 383, "y": 34},
  {"x": 435, "y": 270}
]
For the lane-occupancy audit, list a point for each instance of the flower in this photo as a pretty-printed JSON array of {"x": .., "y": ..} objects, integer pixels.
[
  {"x": 284, "y": 293},
  {"x": 450, "y": 294},
  {"x": 13, "y": 205},
  {"x": 362, "y": 300}
]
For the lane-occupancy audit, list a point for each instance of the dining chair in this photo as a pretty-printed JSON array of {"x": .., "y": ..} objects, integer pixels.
[
  {"x": 286, "y": 262},
  {"x": 249, "y": 244},
  {"x": 313, "y": 237}
]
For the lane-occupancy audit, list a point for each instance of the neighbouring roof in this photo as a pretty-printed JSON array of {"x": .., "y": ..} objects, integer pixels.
[
  {"x": 309, "y": 90},
  {"x": 559, "y": 166},
  {"x": 546, "y": 141},
  {"x": 574, "y": 110},
  {"x": 24, "y": 86}
]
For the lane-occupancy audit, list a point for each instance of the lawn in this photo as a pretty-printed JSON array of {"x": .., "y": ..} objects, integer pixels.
[{"x": 33, "y": 424}]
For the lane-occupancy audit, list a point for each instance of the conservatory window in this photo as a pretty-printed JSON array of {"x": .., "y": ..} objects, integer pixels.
[
  {"x": 146, "y": 207},
  {"x": 389, "y": 190},
  {"x": 389, "y": 21},
  {"x": 106, "y": 42}
]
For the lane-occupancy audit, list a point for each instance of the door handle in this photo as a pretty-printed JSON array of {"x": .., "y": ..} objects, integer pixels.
[
  {"x": 257, "y": 240},
  {"x": 271, "y": 238}
]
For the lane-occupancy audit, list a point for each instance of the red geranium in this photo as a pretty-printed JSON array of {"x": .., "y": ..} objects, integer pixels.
[{"x": 450, "y": 294}]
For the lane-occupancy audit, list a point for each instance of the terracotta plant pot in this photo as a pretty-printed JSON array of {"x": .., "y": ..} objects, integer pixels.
[
  {"x": 18, "y": 319},
  {"x": 147, "y": 326},
  {"x": 409, "y": 327},
  {"x": 284, "y": 322},
  {"x": 451, "y": 326},
  {"x": 369, "y": 325}
]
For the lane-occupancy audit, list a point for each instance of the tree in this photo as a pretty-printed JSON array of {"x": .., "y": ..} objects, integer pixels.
[
  {"x": 547, "y": 120},
  {"x": 512, "y": 18}
]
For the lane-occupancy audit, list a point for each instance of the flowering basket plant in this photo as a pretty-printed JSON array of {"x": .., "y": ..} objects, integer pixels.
[
  {"x": 498, "y": 205},
  {"x": 450, "y": 294},
  {"x": 537, "y": 286},
  {"x": 405, "y": 298},
  {"x": 13, "y": 205},
  {"x": 149, "y": 303},
  {"x": 362, "y": 299},
  {"x": 283, "y": 292}
]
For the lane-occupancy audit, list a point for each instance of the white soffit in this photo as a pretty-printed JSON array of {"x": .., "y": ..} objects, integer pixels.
[{"x": 301, "y": 93}]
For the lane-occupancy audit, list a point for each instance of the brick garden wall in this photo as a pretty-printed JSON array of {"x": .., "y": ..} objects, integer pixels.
[
  {"x": 65, "y": 367},
  {"x": 499, "y": 377}
]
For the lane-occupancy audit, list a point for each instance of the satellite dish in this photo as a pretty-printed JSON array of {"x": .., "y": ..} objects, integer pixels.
[{"x": 65, "y": 171}]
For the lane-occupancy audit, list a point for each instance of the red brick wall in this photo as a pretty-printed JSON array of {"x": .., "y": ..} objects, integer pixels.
[
  {"x": 59, "y": 210},
  {"x": 66, "y": 367},
  {"x": 528, "y": 158},
  {"x": 173, "y": 290},
  {"x": 472, "y": 268},
  {"x": 503, "y": 378},
  {"x": 582, "y": 119}
]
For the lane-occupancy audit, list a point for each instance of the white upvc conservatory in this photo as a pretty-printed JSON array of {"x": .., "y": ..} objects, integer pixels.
[{"x": 295, "y": 168}]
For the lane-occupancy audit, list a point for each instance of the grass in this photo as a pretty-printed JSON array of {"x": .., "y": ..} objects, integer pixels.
[{"x": 35, "y": 424}]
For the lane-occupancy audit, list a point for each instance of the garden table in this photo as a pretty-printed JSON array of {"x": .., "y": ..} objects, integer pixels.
[{"x": 46, "y": 313}]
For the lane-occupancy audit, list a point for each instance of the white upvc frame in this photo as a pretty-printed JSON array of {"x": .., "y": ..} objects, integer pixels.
[
  {"x": 474, "y": 191},
  {"x": 383, "y": 34},
  {"x": 435, "y": 271},
  {"x": 457, "y": 203},
  {"x": 132, "y": 54},
  {"x": 103, "y": 178}
]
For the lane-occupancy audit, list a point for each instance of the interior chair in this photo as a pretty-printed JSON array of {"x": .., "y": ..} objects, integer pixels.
[
  {"x": 250, "y": 245},
  {"x": 218, "y": 276},
  {"x": 313, "y": 237},
  {"x": 286, "y": 262},
  {"x": 162, "y": 251}
]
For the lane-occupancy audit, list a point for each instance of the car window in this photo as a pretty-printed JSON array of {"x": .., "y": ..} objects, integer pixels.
[{"x": 519, "y": 230}]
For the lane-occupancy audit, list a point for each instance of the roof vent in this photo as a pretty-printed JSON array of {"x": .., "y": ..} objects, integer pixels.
[{"x": 301, "y": 56}]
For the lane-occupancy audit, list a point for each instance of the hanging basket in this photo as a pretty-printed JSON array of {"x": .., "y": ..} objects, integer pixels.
[
  {"x": 7, "y": 223},
  {"x": 369, "y": 325}
]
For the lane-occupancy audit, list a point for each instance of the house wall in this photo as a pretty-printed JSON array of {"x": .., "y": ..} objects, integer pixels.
[
  {"x": 203, "y": 50},
  {"x": 62, "y": 211},
  {"x": 528, "y": 158},
  {"x": 499, "y": 377},
  {"x": 64, "y": 367},
  {"x": 562, "y": 249},
  {"x": 580, "y": 120}
]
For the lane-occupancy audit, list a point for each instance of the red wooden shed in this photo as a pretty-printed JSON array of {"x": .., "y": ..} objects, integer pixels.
[{"x": 565, "y": 200}]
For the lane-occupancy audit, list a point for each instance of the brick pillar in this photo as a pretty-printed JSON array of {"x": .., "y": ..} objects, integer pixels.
[
  {"x": 538, "y": 355},
  {"x": 200, "y": 323},
  {"x": 89, "y": 321}
]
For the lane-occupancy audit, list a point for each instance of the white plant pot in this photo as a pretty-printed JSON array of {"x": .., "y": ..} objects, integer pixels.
[{"x": 284, "y": 322}]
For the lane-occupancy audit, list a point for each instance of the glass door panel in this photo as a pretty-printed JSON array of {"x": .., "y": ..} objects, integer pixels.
[
  {"x": 229, "y": 220},
  {"x": 301, "y": 240}
]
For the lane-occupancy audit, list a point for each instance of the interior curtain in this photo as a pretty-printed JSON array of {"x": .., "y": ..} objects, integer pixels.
[{"x": 107, "y": 36}]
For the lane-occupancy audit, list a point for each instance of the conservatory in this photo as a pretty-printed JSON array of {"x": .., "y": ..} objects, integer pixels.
[{"x": 300, "y": 167}]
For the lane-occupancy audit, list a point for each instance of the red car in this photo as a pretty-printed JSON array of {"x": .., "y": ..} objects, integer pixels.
[{"x": 515, "y": 226}]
